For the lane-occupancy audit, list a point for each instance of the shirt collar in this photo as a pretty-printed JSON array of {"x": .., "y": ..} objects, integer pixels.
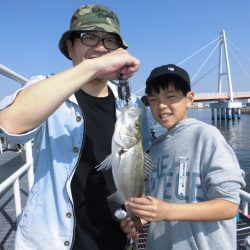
[{"x": 113, "y": 88}]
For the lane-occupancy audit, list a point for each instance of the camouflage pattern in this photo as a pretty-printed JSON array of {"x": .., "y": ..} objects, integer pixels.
[{"x": 94, "y": 18}]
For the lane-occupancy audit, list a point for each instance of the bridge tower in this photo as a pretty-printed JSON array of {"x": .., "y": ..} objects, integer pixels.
[
  {"x": 223, "y": 44},
  {"x": 225, "y": 109}
]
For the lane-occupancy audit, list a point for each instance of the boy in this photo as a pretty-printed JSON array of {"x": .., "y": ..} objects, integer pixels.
[{"x": 194, "y": 190}]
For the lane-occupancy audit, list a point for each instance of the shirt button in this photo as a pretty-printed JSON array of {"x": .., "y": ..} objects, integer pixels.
[
  {"x": 66, "y": 243},
  {"x": 78, "y": 118},
  {"x": 75, "y": 149},
  {"x": 68, "y": 215}
]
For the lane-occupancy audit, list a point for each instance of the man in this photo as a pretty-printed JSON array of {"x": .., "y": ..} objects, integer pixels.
[{"x": 72, "y": 115}]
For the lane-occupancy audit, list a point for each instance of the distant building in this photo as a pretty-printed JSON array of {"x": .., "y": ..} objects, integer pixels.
[
  {"x": 198, "y": 105},
  {"x": 248, "y": 102}
]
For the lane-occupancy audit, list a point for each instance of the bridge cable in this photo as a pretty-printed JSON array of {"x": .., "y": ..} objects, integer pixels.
[
  {"x": 139, "y": 90},
  {"x": 209, "y": 71},
  {"x": 244, "y": 54},
  {"x": 202, "y": 65},
  {"x": 183, "y": 61},
  {"x": 237, "y": 59}
]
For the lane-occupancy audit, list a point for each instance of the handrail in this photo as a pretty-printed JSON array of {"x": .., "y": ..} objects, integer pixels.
[
  {"x": 1, "y": 147},
  {"x": 12, "y": 74},
  {"x": 13, "y": 180},
  {"x": 245, "y": 200}
]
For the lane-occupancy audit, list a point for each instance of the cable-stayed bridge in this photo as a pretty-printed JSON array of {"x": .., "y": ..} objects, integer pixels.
[
  {"x": 200, "y": 72},
  {"x": 228, "y": 103}
]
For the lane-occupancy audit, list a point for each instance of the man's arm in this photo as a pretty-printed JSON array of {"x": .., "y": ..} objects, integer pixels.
[{"x": 36, "y": 103}]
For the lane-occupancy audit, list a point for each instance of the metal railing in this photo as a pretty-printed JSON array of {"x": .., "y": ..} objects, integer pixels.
[
  {"x": 245, "y": 200},
  {"x": 1, "y": 147},
  {"x": 13, "y": 180},
  {"x": 12, "y": 74}
]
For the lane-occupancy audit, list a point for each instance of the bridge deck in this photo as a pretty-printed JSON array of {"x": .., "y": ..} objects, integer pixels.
[{"x": 207, "y": 97}]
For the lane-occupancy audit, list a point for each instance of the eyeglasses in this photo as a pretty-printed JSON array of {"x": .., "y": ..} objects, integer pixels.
[{"x": 92, "y": 40}]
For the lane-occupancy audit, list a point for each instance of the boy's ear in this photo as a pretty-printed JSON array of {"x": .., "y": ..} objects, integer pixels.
[{"x": 190, "y": 98}]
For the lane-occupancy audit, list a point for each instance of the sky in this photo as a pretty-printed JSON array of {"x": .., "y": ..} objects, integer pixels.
[{"x": 158, "y": 32}]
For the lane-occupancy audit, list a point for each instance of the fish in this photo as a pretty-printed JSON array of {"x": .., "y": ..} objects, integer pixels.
[{"x": 128, "y": 161}]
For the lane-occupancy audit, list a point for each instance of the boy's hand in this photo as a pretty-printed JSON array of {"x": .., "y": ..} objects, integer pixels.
[
  {"x": 148, "y": 208},
  {"x": 127, "y": 226}
]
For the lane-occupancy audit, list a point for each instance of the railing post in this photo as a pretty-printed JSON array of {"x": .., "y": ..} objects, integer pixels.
[
  {"x": 17, "y": 197},
  {"x": 245, "y": 207},
  {"x": 1, "y": 146},
  {"x": 245, "y": 200},
  {"x": 29, "y": 160}
]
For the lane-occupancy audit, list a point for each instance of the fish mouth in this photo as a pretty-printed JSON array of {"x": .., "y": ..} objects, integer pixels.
[{"x": 133, "y": 110}]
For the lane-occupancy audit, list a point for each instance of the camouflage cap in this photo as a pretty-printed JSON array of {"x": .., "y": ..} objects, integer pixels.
[{"x": 93, "y": 18}]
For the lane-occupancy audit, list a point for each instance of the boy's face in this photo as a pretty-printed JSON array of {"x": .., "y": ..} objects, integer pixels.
[{"x": 170, "y": 106}]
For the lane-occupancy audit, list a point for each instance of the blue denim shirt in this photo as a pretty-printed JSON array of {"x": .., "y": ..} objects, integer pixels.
[{"x": 47, "y": 222}]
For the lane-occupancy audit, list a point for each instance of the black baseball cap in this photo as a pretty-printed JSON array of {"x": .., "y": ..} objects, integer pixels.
[{"x": 169, "y": 71}]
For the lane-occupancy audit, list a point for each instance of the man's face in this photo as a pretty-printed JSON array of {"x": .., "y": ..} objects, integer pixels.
[{"x": 79, "y": 51}]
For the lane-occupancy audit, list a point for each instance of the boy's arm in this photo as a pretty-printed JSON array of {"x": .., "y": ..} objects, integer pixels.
[{"x": 152, "y": 209}]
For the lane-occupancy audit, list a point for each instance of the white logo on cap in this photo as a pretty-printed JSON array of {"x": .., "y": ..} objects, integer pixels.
[{"x": 170, "y": 68}]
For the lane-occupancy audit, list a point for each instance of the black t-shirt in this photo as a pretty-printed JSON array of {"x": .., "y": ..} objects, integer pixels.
[{"x": 96, "y": 228}]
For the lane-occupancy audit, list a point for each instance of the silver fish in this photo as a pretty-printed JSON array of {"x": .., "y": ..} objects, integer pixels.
[{"x": 128, "y": 160}]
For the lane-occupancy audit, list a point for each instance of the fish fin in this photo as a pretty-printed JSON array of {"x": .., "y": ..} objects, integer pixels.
[
  {"x": 117, "y": 197},
  {"x": 149, "y": 164},
  {"x": 137, "y": 222},
  {"x": 105, "y": 164},
  {"x": 135, "y": 219},
  {"x": 131, "y": 245}
]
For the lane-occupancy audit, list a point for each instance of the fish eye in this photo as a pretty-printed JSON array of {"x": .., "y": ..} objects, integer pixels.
[{"x": 137, "y": 125}]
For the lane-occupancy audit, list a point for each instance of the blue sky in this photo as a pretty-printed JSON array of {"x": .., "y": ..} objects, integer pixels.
[{"x": 158, "y": 32}]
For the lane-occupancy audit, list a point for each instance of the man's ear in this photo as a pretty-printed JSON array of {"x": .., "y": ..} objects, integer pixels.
[
  {"x": 69, "y": 45},
  {"x": 190, "y": 98}
]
